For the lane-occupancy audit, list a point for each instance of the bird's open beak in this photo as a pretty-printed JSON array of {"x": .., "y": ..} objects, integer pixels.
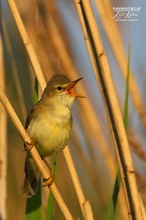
[{"x": 70, "y": 91}]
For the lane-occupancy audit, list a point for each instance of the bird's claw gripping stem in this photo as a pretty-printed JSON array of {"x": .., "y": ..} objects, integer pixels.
[
  {"x": 49, "y": 181},
  {"x": 29, "y": 145}
]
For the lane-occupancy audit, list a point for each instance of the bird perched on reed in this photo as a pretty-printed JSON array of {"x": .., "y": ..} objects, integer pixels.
[{"x": 49, "y": 125}]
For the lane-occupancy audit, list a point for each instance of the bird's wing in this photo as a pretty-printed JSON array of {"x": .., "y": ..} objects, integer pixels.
[{"x": 32, "y": 114}]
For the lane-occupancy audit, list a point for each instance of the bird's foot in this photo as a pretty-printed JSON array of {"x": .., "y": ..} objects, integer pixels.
[
  {"x": 29, "y": 145},
  {"x": 49, "y": 181}
]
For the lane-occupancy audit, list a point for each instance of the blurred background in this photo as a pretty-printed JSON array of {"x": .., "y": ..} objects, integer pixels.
[{"x": 57, "y": 37}]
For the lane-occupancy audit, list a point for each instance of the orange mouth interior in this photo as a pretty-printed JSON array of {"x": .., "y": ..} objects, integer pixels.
[{"x": 70, "y": 90}]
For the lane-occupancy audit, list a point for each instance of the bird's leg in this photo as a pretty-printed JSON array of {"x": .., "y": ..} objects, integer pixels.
[
  {"x": 49, "y": 181},
  {"x": 29, "y": 145},
  {"x": 48, "y": 165}
]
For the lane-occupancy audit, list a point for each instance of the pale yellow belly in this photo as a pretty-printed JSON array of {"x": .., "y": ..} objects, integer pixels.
[{"x": 49, "y": 138}]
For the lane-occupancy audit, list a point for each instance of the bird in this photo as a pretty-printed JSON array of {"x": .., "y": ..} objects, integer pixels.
[{"x": 49, "y": 125}]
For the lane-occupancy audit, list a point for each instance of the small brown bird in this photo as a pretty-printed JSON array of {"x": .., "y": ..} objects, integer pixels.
[{"x": 49, "y": 124}]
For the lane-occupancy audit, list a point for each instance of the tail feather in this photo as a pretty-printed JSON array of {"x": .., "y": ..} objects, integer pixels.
[{"x": 31, "y": 177}]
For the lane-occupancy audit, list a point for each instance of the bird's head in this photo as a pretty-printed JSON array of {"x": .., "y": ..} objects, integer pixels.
[{"x": 60, "y": 90}]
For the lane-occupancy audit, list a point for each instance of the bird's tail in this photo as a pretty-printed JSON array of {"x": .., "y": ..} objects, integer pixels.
[{"x": 31, "y": 177}]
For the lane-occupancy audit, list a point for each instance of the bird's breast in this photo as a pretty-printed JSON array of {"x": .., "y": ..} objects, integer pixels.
[{"x": 50, "y": 132}]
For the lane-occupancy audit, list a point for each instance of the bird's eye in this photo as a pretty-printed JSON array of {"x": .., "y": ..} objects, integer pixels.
[{"x": 59, "y": 88}]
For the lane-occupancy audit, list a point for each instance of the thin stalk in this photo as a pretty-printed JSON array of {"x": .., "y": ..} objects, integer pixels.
[
  {"x": 3, "y": 142},
  {"x": 74, "y": 178},
  {"x": 88, "y": 215},
  {"x": 113, "y": 204},
  {"x": 15, "y": 72},
  {"x": 28, "y": 46},
  {"x": 125, "y": 117},
  {"x": 50, "y": 204}
]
